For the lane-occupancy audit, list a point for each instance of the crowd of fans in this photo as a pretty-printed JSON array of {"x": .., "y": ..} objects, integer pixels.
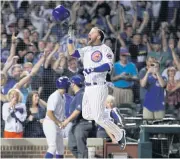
[{"x": 144, "y": 36}]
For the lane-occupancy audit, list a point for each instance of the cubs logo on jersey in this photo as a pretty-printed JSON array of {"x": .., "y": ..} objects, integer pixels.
[{"x": 96, "y": 56}]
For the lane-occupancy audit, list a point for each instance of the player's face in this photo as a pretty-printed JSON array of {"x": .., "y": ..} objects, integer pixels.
[{"x": 93, "y": 36}]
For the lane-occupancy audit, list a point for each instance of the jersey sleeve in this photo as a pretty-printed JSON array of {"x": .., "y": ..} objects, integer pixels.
[
  {"x": 108, "y": 57},
  {"x": 52, "y": 102},
  {"x": 81, "y": 52}
]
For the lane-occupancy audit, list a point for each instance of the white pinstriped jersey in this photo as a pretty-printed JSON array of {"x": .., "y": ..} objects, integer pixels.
[{"x": 94, "y": 56}]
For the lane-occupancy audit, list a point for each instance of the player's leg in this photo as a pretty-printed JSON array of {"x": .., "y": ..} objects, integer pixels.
[
  {"x": 86, "y": 109},
  {"x": 49, "y": 129},
  {"x": 97, "y": 99},
  {"x": 72, "y": 144},
  {"x": 59, "y": 144}
]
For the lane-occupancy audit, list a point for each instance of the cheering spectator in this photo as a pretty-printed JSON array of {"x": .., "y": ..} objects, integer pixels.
[
  {"x": 123, "y": 76},
  {"x": 160, "y": 52},
  {"x": 138, "y": 51},
  {"x": 154, "y": 105},
  {"x": 142, "y": 73},
  {"x": 14, "y": 114},
  {"x": 16, "y": 71},
  {"x": 113, "y": 114},
  {"x": 177, "y": 74},
  {"x": 175, "y": 57},
  {"x": 173, "y": 90},
  {"x": 35, "y": 115}
]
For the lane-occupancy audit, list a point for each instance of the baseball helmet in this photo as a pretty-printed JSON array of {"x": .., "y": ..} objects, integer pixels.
[
  {"x": 78, "y": 80},
  {"x": 63, "y": 82},
  {"x": 60, "y": 13}
]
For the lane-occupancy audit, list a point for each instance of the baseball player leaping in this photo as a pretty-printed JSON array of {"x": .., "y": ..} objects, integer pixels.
[
  {"x": 54, "y": 116},
  {"x": 97, "y": 60}
]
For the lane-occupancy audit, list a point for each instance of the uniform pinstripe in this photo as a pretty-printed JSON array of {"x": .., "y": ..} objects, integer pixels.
[{"x": 95, "y": 95}]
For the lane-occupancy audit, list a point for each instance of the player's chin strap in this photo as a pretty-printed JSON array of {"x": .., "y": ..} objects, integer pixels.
[{"x": 102, "y": 68}]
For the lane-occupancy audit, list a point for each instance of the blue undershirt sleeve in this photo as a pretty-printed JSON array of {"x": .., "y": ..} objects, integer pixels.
[
  {"x": 76, "y": 54},
  {"x": 103, "y": 68}
]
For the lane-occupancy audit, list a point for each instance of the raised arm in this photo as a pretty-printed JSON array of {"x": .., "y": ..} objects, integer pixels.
[
  {"x": 34, "y": 70},
  {"x": 42, "y": 103},
  {"x": 121, "y": 10},
  {"x": 143, "y": 81},
  {"x": 13, "y": 47},
  {"x": 134, "y": 19},
  {"x": 37, "y": 66},
  {"x": 70, "y": 45},
  {"x": 121, "y": 40},
  {"x": 161, "y": 80},
  {"x": 164, "y": 40},
  {"x": 175, "y": 57},
  {"x": 9, "y": 63},
  {"x": 74, "y": 9},
  {"x": 110, "y": 25},
  {"x": 48, "y": 59},
  {"x": 49, "y": 31},
  {"x": 11, "y": 6},
  {"x": 92, "y": 9},
  {"x": 144, "y": 23},
  {"x": 60, "y": 63}
]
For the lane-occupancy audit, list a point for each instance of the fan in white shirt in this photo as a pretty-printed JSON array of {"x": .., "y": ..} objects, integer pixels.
[{"x": 14, "y": 114}]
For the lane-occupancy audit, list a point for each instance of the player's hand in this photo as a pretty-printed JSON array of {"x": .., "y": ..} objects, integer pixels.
[
  {"x": 64, "y": 123},
  {"x": 59, "y": 124},
  {"x": 88, "y": 71}
]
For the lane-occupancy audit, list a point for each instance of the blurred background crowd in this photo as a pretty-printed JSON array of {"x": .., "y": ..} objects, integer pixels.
[{"x": 144, "y": 37}]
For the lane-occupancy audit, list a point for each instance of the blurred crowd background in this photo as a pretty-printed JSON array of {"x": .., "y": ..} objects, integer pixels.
[{"x": 34, "y": 53}]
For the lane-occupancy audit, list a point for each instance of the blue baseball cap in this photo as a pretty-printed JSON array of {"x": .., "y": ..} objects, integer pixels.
[
  {"x": 63, "y": 82},
  {"x": 77, "y": 80},
  {"x": 124, "y": 51},
  {"x": 60, "y": 13}
]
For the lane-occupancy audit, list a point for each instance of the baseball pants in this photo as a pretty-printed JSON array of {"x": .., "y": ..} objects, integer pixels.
[
  {"x": 54, "y": 137},
  {"x": 93, "y": 107}
]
